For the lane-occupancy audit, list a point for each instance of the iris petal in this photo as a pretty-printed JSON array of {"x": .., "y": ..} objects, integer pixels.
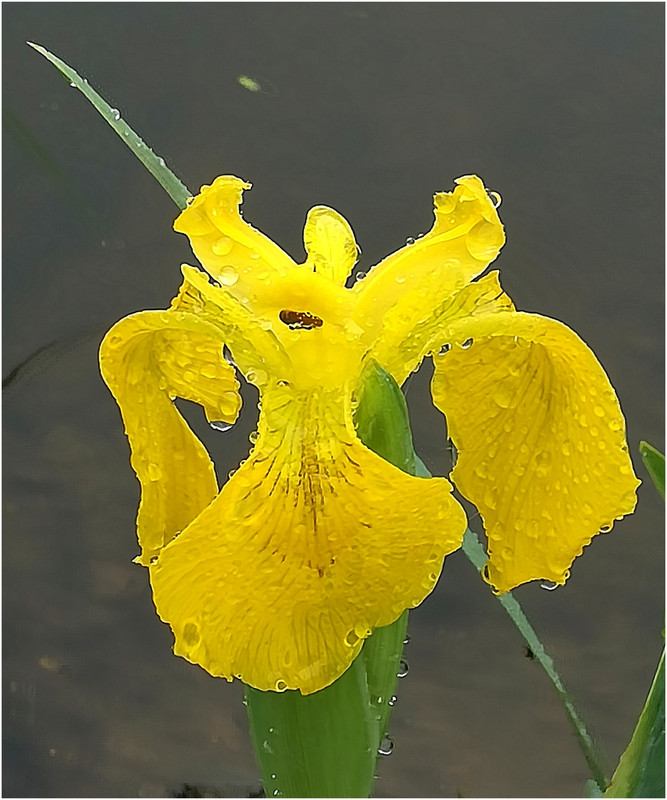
[
  {"x": 231, "y": 251},
  {"x": 540, "y": 439},
  {"x": 402, "y": 351},
  {"x": 313, "y": 543},
  {"x": 330, "y": 244},
  {"x": 466, "y": 236},
  {"x": 146, "y": 359}
]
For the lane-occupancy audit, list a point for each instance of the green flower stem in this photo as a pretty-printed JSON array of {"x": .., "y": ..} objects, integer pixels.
[
  {"x": 475, "y": 553},
  {"x": 178, "y": 192}
]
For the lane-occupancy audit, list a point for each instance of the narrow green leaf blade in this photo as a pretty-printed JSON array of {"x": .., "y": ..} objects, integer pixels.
[
  {"x": 178, "y": 192},
  {"x": 641, "y": 770},
  {"x": 476, "y": 554},
  {"x": 654, "y": 461}
]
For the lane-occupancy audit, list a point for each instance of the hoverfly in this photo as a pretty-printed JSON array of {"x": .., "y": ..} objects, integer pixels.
[{"x": 300, "y": 319}]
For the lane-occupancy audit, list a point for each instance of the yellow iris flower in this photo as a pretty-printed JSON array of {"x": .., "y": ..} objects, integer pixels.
[{"x": 315, "y": 541}]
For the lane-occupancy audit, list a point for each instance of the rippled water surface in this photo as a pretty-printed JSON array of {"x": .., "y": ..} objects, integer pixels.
[{"x": 368, "y": 108}]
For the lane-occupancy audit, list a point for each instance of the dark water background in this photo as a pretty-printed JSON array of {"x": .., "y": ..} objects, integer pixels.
[{"x": 368, "y": 108}]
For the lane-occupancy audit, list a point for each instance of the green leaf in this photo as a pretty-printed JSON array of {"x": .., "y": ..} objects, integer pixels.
[
  {"x": 178, "y": 192},
  {"x": 641, "y": 770},
  {"x": 654, "y": 461}
]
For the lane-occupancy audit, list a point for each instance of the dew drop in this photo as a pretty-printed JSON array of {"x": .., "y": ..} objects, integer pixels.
[
  {"x": 253, "y": 437},
  {"x": 465, "y": 345},
  {"x": 351, "y": 639},
  {"x": 222, "y": 246},
  {"x": 228, "y": 276},
  {"x": 495, "y": 198},
  {"x": 392, "y": 700},
  {"x": 283, "y": 383},
  {"x": 400, "y": 279},
  {"x": 191, "y": 633},
  {"x": 407, "y": 639},
  {"x": 445, "y": 349},
  {"x": 504, "y": 395},
  {"x": 154, "y": 472},
  {"x": 115, "y": 113},
  {"x": 386, "y": 746},
  {"x": 360, "y": 276},
  {"x": 549, "y": 586},
  {"x": 605, "y": 529},
  {"x": 402, "y": 669},
  {"x": 72, "y": 84},
  {"x": 599, "y": 411},
  {"x": 410, "y": 240},
  {"x": 221, "y": 425}
]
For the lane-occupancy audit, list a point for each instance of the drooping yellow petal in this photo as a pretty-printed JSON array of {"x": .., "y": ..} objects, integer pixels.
[
  {"x": 239, "y": 257},
  {"x": 145, "y": 360},
  {"x": 313, "y": 543},
  {"x": 540, "y": 439},
  {"x": 330, "y": 245},
  {"x": 404, "y": 344},
  {"x": 405, "y": 288}
]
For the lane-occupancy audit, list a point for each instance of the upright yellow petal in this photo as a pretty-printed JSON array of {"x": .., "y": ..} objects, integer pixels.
[
  {"x": 404, "y": 289},
  {"x": 329, "y": 242},
  {"x": 312, "y": 544},
  {"x": 405, "y": 344},
  {"x": 240, "y": 258},
  {"x": 146, "y": 360},
  {"x": 540, "y": 439}
]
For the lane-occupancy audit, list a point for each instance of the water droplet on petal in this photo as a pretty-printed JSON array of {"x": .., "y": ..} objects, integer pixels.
[
  {"x": 221, "y": 425},
  {"x": 222, "y": 246},
  {"x": 253, "y": 437},
  {"x": 154, "y": 472},
  {"x": 549, "y": 586},
  {"x": 228, "y": 276},
  {"x": 495, "y": 198},
  {"x": 504, "y": 394},
  {"x": 360, "y": 276},
  {"x": 605, "y": 528},
  {"x": 445, "y": 349},
  {"x": 410, "y": 241},
  {"x": 465, "y": 345},
  {"x": 227, "y": 355}
]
